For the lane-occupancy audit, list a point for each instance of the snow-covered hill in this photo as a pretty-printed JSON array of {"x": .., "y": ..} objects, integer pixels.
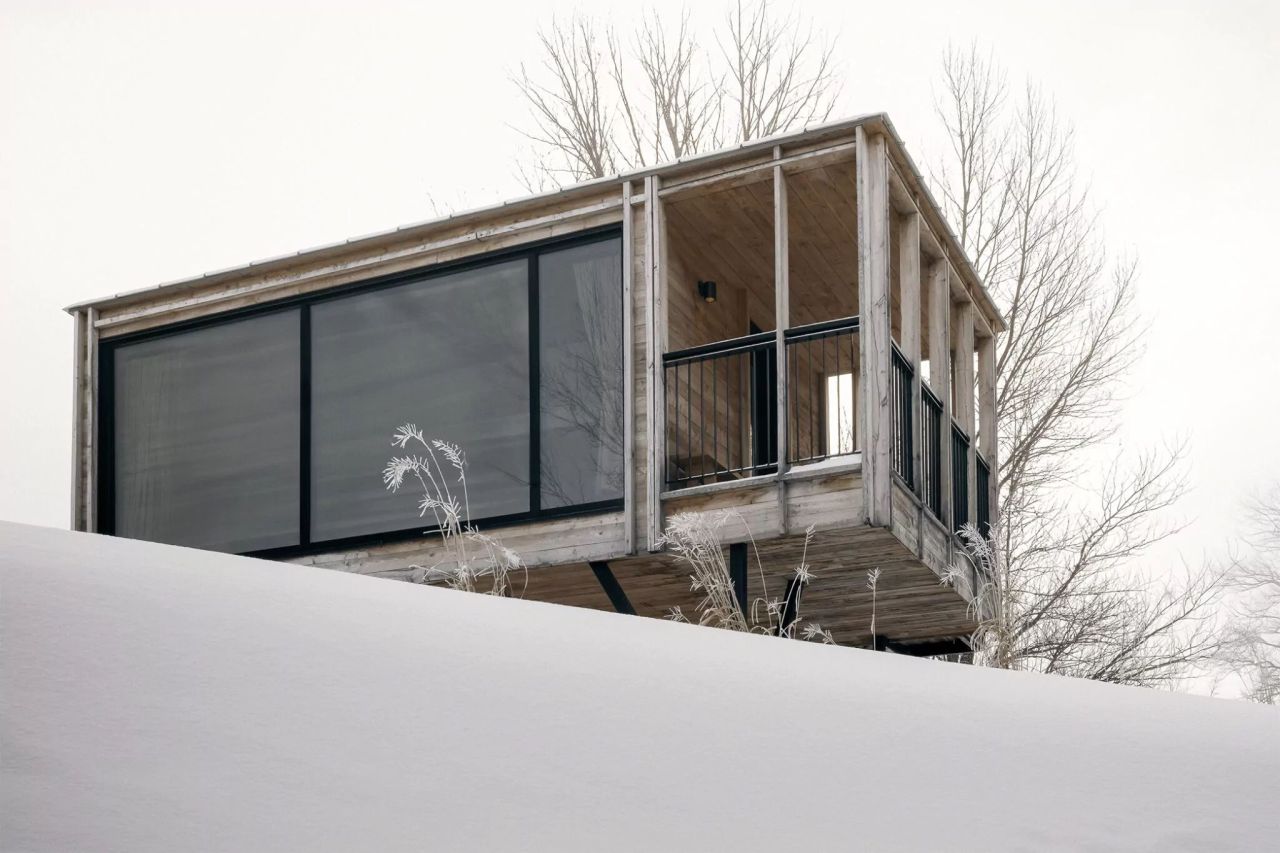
[{"x": 158, "y": 698}]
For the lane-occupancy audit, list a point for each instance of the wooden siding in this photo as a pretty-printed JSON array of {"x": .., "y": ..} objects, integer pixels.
[{"x": 778, "y": 229}]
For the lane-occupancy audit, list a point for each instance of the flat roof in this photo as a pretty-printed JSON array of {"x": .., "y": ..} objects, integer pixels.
[{"x": 811, "y": 133}]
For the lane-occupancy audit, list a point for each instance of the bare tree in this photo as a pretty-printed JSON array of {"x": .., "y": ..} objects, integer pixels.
[
  {"x": 1252, "y": 650},
  {"x": 1069, "y": 601},
  {"x": 600, "y": 102}
]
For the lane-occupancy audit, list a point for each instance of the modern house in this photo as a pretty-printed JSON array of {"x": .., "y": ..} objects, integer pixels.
[{"x": 787, "y": 330}]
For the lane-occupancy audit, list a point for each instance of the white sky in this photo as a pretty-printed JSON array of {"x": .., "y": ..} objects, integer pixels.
[{"x": 141, "y": 142}]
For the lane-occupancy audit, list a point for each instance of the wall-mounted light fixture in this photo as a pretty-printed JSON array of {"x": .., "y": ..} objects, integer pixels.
[{"x": 707, "y": 291}]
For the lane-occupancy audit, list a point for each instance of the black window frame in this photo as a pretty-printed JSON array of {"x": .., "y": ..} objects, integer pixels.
[{"x": 530, "y": 252}]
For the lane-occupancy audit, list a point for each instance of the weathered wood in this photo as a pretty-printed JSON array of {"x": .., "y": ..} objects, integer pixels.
[
  {"x": 782, "y": 316},
  {"x": 355, "y": 265},
  {"x": 911, "y": 310},
  {"x": 874, "y": 337},
  {"x": 628, "y": 373},
  {"x": 656, "y": 273},
  {"x": 92, "y": 444},
  {"x": 940, "y": 371},
  {"x": 987, "y": 429},
  {"x": 817, "y": 243},
  {"x": 962, "y": 329},
  {"x": 722, "y": 180},
  {"x": 77, "y": 422}
]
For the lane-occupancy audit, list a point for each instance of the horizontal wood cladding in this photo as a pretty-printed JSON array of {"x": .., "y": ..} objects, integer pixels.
[
  {"x": 324, "y": 270},
  {"x": 541, "y": 543},
  {"x": 754, "y": 510}
]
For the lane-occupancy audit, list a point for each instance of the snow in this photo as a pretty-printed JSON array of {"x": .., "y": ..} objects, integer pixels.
[{"x": 159, "y": 698}]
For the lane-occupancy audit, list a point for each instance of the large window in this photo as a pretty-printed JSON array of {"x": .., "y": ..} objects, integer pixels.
[
  {"x": 450, "y": 354},
  {"x": 205, "y": 436},
  {"x": 270, "y": 432}
]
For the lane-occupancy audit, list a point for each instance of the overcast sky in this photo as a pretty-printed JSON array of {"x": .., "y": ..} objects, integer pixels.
[{"x": 142, "y": 142}]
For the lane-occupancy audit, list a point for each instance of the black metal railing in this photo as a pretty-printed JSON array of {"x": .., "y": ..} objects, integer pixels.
[
  {"x": 931, "y": 451},
  {"x": 903, "y": 450},
  {"x": 983, "y": 478},
  {"x": 959, "y": 476},
  {"x": 721, "y": 410},
  {"x": 822, "y": 405}
]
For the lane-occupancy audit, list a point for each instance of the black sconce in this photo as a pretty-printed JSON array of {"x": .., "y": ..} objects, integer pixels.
[{"x": 707, "y": 291}]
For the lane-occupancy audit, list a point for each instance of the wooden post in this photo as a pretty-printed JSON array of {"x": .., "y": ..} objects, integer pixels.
[
  {"x": 781, "y": 320},
  {"x": 962, "y": 324},
  {"x": 873, "y": 309},
  {"x": 91, "y": 451},
  {"x": 940, "y": 371},
  {"x": 987, "y": 429},
  {"x": 909, "y": 302},
  {"x": 78, "y": 420},
  {"x": 628, "y": 376},
  {"x": 655, "y": 277}
]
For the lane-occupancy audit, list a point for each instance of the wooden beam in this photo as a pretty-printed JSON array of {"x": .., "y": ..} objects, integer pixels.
[
  {"x": 261, "y": 286},
  {"x": 744, "y": 175},
  {"x": 91, "y": 411},
  {"x": 962, "y": 329},
  {"x": 782, "y": 320},
  {"x": 628, "y": 373},
  {"x": 940, "y": 370},
  {"x": 78, "y": 419},
  {"x": 873, "y": 308},
  {"x": 988, "y": 429},
  {"x": 654, "y": 348},
  {"x": 962, "y": 325},
  {"x": 613, "y": 589},
  {"x": 909, "y": 305}
]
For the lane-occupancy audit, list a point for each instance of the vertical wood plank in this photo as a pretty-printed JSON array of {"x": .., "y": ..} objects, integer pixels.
[
  {"x": 91, "y": 413},
  {"x": 782, "y": 320},
  {"x": 628, "y": 377},
  {"x": 940, "y": 373},
  {"x": 873, "y": 308},
  {"x": 962, "y": 323},
  {"x": 655, "y": 275},
  {"x": 987, "y": 427},
  {"x": 78, "y": 421},
  {"x": 909, "y": 301}
]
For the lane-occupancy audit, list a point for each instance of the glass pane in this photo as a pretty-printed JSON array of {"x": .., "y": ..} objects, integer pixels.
[
  {"x": 450, "y": 354},
  {"x": 206, "y": 436},
  {"x": 580, "y": 319}
]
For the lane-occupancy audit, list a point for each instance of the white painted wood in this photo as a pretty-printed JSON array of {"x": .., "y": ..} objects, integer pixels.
[
  {"x": 874, "y": 336},
  {"x": 628, "y": 377}
]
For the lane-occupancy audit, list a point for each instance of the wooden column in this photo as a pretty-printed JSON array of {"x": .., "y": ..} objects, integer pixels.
[
  {"x": 909, "y": 302},
  {"x": 78, "y": 377},
  {"x": 628, "y": 376},
  {"x": 962, "y": 326},
  {"x": 782, "y": 319},
  {"x": 987, "y": 429},
  {"x": 873, "y": 310},
  {"x": 91, "y": 442},
  {"x": 940, "y": 369},
  {"x": 655, "y": 285}
]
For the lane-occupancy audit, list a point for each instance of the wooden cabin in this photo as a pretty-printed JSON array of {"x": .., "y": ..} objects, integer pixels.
[{"x": 786, "y": 330}]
